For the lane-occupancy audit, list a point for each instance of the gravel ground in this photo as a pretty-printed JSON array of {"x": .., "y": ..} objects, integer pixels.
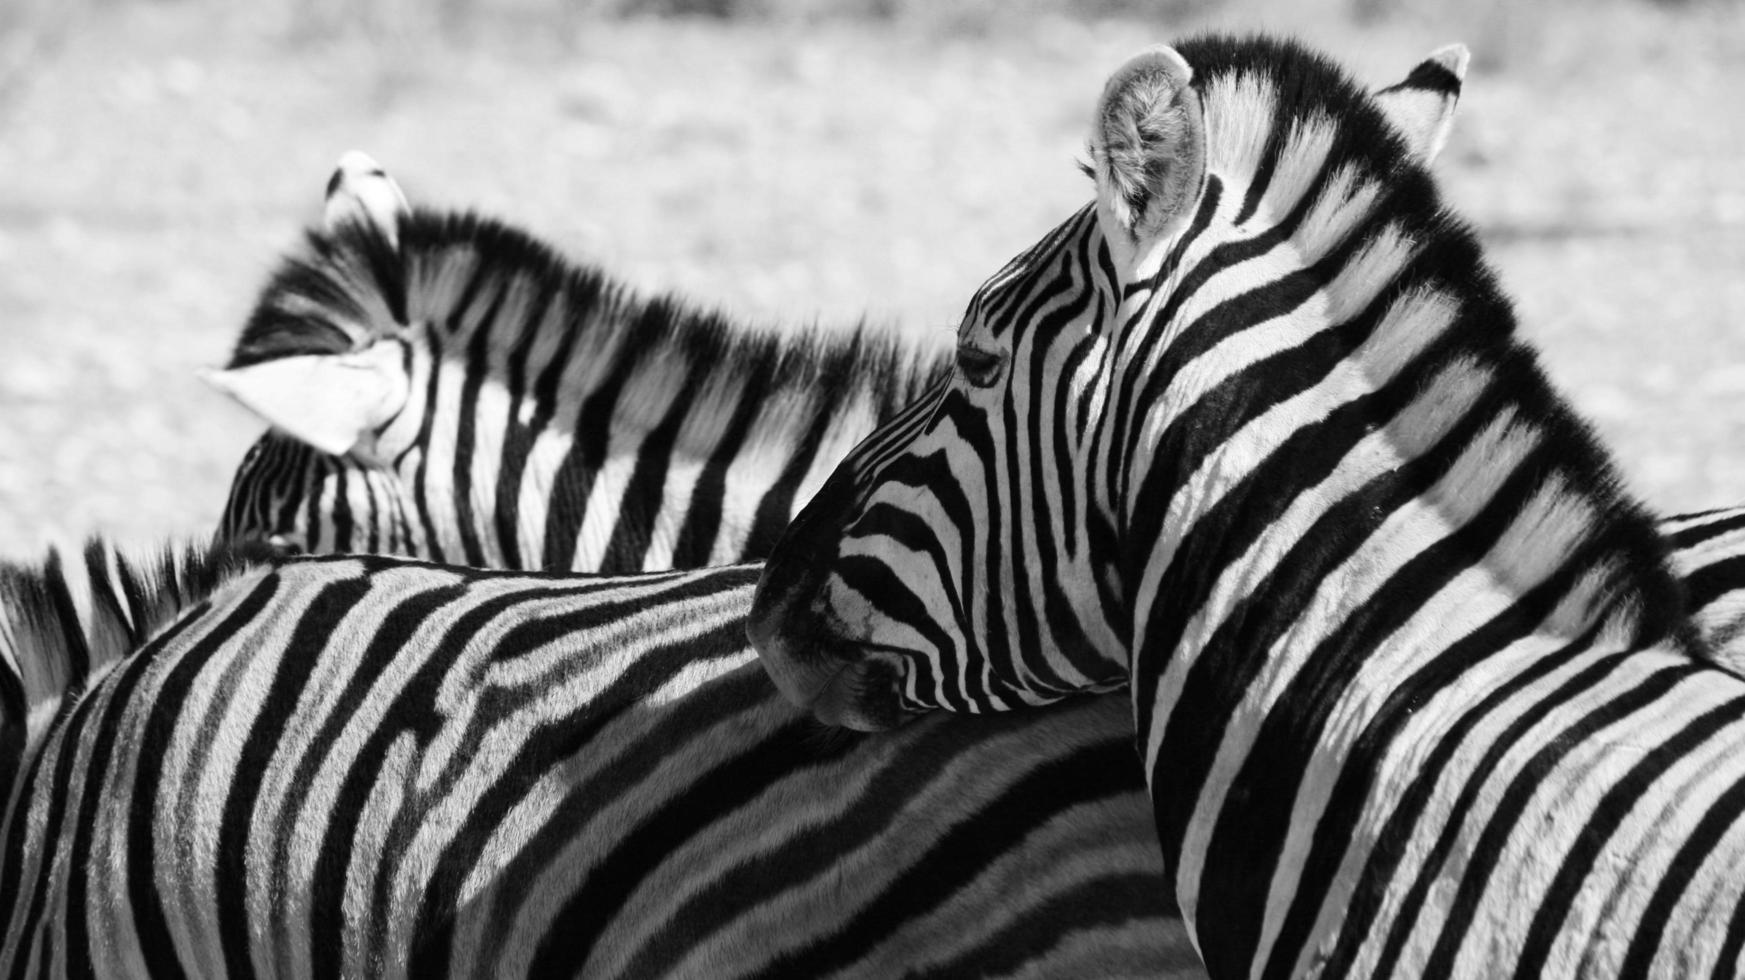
[{"x": 157, "y": 165}]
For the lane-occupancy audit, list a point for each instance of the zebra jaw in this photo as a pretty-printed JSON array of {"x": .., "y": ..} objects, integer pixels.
[{"x": 840, "y": 683}]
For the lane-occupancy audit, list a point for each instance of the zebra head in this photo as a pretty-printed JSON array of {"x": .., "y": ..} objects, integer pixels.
[
  {"x": 332, "y": 369},
  {"x": 986, "y": 548},
  {"x": 464, "y": 392}
]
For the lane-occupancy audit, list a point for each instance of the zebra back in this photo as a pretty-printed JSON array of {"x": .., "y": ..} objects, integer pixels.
[
  {"x": 365, "y": 766},
  {"x": 516, "y": 409}
]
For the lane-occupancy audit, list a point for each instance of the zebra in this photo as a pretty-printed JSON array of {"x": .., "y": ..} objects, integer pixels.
[
  {"x": 446, "y": 386},
  {"x": 368, "y": 765},
  {"x": 1413, "y": 682}
]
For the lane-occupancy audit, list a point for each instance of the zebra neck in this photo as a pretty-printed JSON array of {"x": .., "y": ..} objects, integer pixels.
[
  {"x": 1312, "y": 559},
  {"x": 1377, "y": 436},
  {"x": 565, "y": 427}
]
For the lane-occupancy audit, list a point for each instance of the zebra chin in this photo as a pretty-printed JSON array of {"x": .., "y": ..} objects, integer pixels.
[{"x": 839, "y": 682}]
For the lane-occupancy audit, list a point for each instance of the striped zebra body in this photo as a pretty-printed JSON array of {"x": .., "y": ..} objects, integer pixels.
[
  {"x": 369, "y": 766},
  {"x": 1416, "y": 686},
  {"x": 446, "y": 386}
]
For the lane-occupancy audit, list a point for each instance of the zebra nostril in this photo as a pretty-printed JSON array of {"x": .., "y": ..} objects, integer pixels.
[{"x": 283, "y": 546}]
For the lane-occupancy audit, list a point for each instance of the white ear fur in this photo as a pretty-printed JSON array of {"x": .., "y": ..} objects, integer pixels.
[
  {"x": 328, "y": 401},
  {"x": 1148, "y": 147},
  {"x": 361, "y": 192},
  {"x": 1421, "y": 106}
]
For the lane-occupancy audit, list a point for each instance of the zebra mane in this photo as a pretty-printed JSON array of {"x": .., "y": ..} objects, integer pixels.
[
  {"x": 1631, "y": 575},
  {"x": 80, "y": 610},
  {"x": 350, "y": 287}
]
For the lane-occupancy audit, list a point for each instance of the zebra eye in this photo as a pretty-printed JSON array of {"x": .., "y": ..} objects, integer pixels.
[{"x": 980, "y": 368}]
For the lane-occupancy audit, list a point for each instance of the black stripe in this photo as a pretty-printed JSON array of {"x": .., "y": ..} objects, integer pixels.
[
  {"x": 1711, "y": 582},
  {"x": 105, "y": 604},
  {"x": 420, "y": 498},
  {"x": 776, "y": 508},
  {"x": 377, "y": 507},
  {"x": 67, "y": 618},
  {"x": 1429, "y": 76},
  {"x": 1069, "y": 436},
  {"x": 138, "y": 595},
  {"x": 1703, "y": 531},
  {"x": 1124, "y": 408},
  {"x": 340, "y": 516},
  {"x": 573, "y": 483},
  {"x": 478, "y": 353},
  {"x": 644, "y": 493},
  {"x": 518, "y": 438},
  {"x": 696, "y": 538},
  {"x": 319, "y": 466}
]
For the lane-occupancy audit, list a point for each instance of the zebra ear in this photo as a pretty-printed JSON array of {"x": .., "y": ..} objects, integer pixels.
[
  {"x": 1421, "y": 106},
  {"x": 361, "y": 192},
  {"x": 328, "y": 401},
  {"x": 1148, "y": 147}
]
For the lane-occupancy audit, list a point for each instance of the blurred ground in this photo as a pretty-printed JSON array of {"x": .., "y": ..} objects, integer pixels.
[{"x": 156, "y": 163}]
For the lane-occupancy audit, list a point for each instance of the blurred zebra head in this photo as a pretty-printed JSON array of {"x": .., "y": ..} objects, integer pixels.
[{"x": 447, "y": 386}]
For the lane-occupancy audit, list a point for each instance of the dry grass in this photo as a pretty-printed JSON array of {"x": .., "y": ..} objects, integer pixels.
[{"x": 162, "y": 159}]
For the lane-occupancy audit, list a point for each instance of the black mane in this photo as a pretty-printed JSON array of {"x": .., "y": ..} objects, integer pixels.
[
  {"x": 1449, "y": 255},
  {"x": 350, "y": 286}
]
